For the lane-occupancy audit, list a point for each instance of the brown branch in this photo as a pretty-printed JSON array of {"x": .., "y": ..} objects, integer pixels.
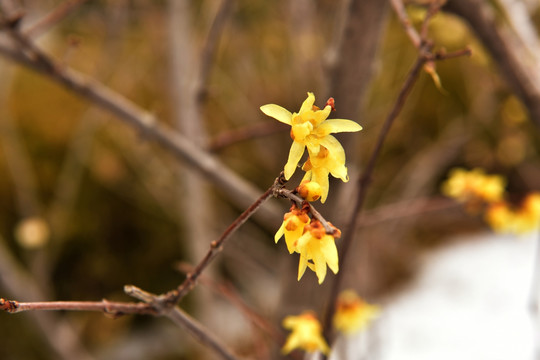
[
  {"x": 425, "y": 54},
  {"x": 231, "y": 294},
  {"x": 182, "y": 319},
  {"x": 112, "y": 308},
  {"x": 151, "y": 305},
  {"x": 210, "y": 46},
  {"x": 405, "y": 209},
  {"x": 506, "y": 50},
  {"x": 241, "y": 192},
  {"x": 54, "y": 17},
  {"x": 173, "y": 297},
  {"x": 249, "y": 132},
  {"x": 289, "y": 194},
  {"x": 401, "y": 12}
]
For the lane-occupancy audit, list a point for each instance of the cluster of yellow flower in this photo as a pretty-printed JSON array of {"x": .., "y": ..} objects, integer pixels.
[
  {"x": 472, "y": 187},
  {"x": 502, "y": 217},
  {"x": 352, "y": 315},
  {"x": 311, "y": 129},
  {"x": 479, "y": 191},
  {"x": 308, "y": 237}
]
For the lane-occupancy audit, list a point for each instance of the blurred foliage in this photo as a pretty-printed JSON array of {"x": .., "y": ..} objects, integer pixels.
[{"x": 121, "y": 226}]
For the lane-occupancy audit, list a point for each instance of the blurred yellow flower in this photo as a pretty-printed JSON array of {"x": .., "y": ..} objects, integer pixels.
[
  {"x": 500, "y": 217},
  {"x": 292, "y": 227},
  {"x": 32, "y": 232},
  {"x": 353, "y": 313},
  {"x": 474, "y": 185},
  {"x": 310, "y": 128},
  {"x": 503, "y": 218},
  {"x": 317, "y": 249},
  {"x": 305, "y": 335}
]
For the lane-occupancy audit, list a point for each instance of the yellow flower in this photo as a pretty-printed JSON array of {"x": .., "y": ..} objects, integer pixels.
[
  {"x": 319, "y": 166},
  {"x": 502, "y": 218},
  {"x": 310, "y": 128},
  {"x": 305, "y": 335},
  {"x": 292, "y": 227},
  {"x": 466, "y": 186},
  {"x": 317, "y": 249},
  {"x": 353, "y": 313}
]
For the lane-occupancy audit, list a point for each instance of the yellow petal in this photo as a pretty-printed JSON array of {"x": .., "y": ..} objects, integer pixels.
[
  {"x": 280, "y": 232},
  {"x": 308, "y": 103},
  {"x": 331, "y": 126},
  {"x": 340, "y": 172},
  {"x": 295, "y": 154},
  {"x": 321, "y": 115},
  {"x": 302, "y": 264},
  {"x": 320, "y": 176},
  {"x": 320, "y": 265},
  {"x": 277, "y": 112},
  {"x": 328, "y": 247},
  {"x": 334, "y": 147}
]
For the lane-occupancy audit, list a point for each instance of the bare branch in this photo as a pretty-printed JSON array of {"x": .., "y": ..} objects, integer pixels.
[
  {"x": 173, "y": 297},
  {"x": 425, "y": 54},
  {"x": 506, "y": 50},
  {"x": 401, "y": 12},
  {"x": 289, "y": 194},
  {"x": 210, "y": 47},
  {"x": 249, "y": 132},
  {"x": 112, "y": 308},
  {"x": 151, "y": 305},
  {"x": 54, "y": 17},
  {"x": 236, "y": 188}
]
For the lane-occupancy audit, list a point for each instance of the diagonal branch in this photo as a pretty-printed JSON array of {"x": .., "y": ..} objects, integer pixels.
[
  {"x": 173, "y": 297},
  {"x": 425, "y": 55},
  {"x": 238, "y": 190}
]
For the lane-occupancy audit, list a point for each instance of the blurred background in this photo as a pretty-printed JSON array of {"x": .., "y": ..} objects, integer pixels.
[{"x": 88, "y": 204}]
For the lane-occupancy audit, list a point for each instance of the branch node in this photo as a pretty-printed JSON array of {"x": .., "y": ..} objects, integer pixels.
[{"x": 8, "y": 305}]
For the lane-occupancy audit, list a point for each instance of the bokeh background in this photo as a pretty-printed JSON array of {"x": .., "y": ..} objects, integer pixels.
[{"x": 108, "y": 207}]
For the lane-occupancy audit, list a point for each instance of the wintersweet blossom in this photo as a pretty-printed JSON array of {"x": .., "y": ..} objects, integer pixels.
[
  {"x": 317, "y": 249},
  {"x": 353, "y": 313},
  {"x": 319, "y": 166},
  {"x": 311, "y": 129},
  {"x": 502, "y": 217},
  {"x": 306, "y": 334},
  {"x": 474, "y": 185},
  {"x": 293, "y": 227}
]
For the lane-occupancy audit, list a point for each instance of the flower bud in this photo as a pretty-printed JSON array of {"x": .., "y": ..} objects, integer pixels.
[{"x": 309, "y": 190}]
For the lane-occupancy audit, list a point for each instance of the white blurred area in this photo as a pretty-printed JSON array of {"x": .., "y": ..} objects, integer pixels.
[{"x": 469, "y": 302}]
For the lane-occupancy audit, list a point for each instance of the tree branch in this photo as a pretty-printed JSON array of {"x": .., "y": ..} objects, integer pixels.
[
  {"x": 236, "y": 188},
  {"x": 425, "y": 55}
]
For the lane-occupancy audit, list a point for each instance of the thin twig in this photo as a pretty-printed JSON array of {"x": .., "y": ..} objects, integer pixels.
[
  {"x": 230, "y": 137},
  {"x": 173, "y": 297},
  {"x": 411, "y": 32},
  {"x": 210, "y": 47},
  {"x": 230, "y": 293},
  {"x": 289, "y": 194},
  {"x": 235, "y": 187},
  {"x": 54, "y": 17},
  {"x": 363, "y": 184},
  {"x": 108, "y": 307},
  {"x": 424, "y": 55}
]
